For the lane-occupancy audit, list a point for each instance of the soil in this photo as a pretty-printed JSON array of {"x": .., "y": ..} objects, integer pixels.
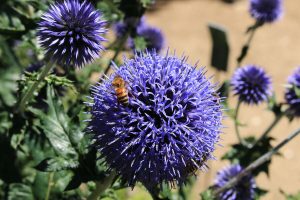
[{"x": 275, "y": 47}]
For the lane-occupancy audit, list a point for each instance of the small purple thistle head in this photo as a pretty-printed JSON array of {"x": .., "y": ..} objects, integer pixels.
[
  {"x": 154, "y": 38},
  {"x": 170, "y": 126},
  {"x": 243, "y": 190},
  {"x": 266, "y": 11},
  {"x": 292, "y": 93},
  {"x": 70, "y": 32},
  {"x": 251, "y": 84}
]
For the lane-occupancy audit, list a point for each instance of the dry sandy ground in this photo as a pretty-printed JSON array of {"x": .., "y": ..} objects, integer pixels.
[{"x": 275, "y": 47}]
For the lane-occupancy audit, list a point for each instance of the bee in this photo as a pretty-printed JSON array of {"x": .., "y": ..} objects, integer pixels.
[
  {"x": 217, "y": 97},
  {"x": 191, "y": 168},
  {"x": 119, "y": 86}
]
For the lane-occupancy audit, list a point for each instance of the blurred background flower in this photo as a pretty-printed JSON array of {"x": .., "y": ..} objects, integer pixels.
[
  {"x": 251, "y": 84},
  {"x": 266, "y": 10},
  {"x": 243, "y": 190},
  {"x": 292, "y": 93},
  {"x": 70, "y": 33},
  {"x": 153, "y": 37}
]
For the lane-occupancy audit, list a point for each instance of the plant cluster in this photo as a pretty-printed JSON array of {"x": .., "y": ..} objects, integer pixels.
[{"x": 151, "y": 120}]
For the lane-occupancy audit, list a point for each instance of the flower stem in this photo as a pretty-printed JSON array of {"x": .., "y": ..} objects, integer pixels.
[
  {"x": 50, "y": 183},
  {"x": 117, "y": 52},
  {"x": 28, "y": 95},
  {"x": 246, "y": 46},
  {"x": 236, "y": 122},
  {"x": 261, "y": 160},
  {"x": 101, "y": 186}
]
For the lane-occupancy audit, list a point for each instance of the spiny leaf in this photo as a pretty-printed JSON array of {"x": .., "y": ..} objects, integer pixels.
[
  {"x": 207, "y": 195},
  {"x": 259, "y": 192},
  {"x": 244, "y": 155},
  {"x": 291, "y": 196},
  {"x": 55, "y": 124},
  {"x": 147, "y": 3},
  {"x": 20, "y": 191},
  {"x": 56, "y": 164}
]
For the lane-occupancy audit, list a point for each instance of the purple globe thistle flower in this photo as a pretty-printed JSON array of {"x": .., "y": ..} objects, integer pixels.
[
  {"x": 70, "y": 32},
  {"x": 153, "y": 36},
  {"x": 292, "y": 93},
  {"x": 251, "y": 84},
  {"x": 169, "y": 126},
  {"x": 266, "y": 10},
  {"x": 243, "y": 190}
]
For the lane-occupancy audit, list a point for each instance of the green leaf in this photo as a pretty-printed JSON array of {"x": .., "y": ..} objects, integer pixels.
[
  {"x": 55, "y": 124},
  {"x": 207, "y": 195},
  {"x": 273, "y": 105},
  {"x": 147, "y": 3},
  {"x": 291, "y": 196},
  {"x": 87, "y": 170},
  {"x": 11, "y": 25},
  {"x": 140, "y": 43},
  {"x": 259, "y": 192},
  {"x": 110, "y": 10},
  {"x": 2, "y": 189},
  {"x": 20, "y": 191},
  {"x": 56, "y": 164},
  {"x": 297, "y": 91},
  {"x": 245, "y": 155},
  {"x": 220, "y": 50},
  {"x": 185, "y": 190}
]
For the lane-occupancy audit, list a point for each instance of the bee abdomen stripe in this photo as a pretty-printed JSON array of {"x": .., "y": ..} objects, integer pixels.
[{"x": 123, "y": 98}]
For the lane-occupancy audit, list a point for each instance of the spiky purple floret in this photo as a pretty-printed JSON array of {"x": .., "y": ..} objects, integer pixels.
[
  {"x": 266, "y": 10},
  {"x": 292, "y": 96},
  {"x": 70, "y": 32},
  {"x": 154, "y": 38},
  {"x": 243, "y": 190},
  {"x": 251, "y": 84},
  {"x": 171, "y": 125},
  {"x": 121, "y": 28}
]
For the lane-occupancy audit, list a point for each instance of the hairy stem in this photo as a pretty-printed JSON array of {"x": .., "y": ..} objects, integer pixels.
[
  {"x": 101, "y": 186},
  {"x": 261, "y": 160},
  {"x": 28, "y": 95},
  {"x": 50, "y": 183},
  {"x": 117, "y": 52},
  {"x": 236, "y": 122}
]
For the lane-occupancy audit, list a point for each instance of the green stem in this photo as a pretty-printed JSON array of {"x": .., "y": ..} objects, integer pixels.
[
  {"x": 101, "y": 186},
  {"x": 236, "y": 122},
  {"x": 258, "y": 162},
  {"x": 117, "y": 52},
  {"x": 246, "y": 46},
  {"x": 51, "y": 175},
  {"x": 28, "y": 95}
]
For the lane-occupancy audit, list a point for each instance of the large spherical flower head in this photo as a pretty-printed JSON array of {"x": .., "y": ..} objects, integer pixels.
[
  {"x": 70, "y": 32},
  {"x": 292, "y": 95},
  {"x": 153, "y": 36},
  {"x": 170, "y": 126},
  {"x": 266, "y": 10},
  {"x": 243, "y": 190},
  {"x": 251, "y": 84}
]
